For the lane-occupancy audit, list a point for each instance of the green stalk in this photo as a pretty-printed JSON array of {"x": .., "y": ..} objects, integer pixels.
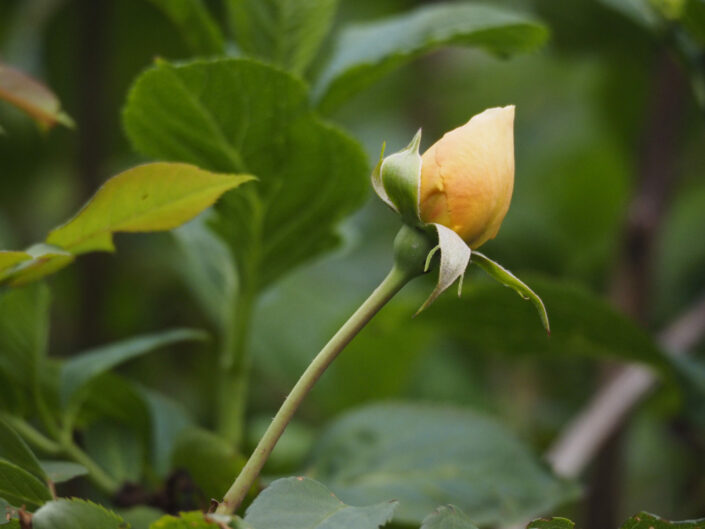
[
  {"x": 234, "y": 354},
  {"x": 63, "y": 446},
  {"x": 391, "y": 284},
  {"x": 234, "y": 375},
  {"x": 95, "y": 472},
  {"x": 33, "y": 436}
]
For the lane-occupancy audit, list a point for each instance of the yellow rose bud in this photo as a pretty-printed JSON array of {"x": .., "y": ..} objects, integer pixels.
[{"x": 467, "y": 176}]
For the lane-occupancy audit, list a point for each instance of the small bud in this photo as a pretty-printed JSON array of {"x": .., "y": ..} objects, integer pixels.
[{"x": 467, "y": 176}]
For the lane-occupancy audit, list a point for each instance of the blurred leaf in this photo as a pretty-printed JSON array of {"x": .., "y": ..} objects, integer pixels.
[
  {"x": 424, "y": 455},
  {"x": 302, "y": 503},
  {"x": 645, "y": 520},
  {"x": 168, "y": 420},
  {"x": 551, "y": 523},
  {"x": 61, "y": 471},
  {"x": 19, "y": 487},
  {"x": 140, "y": 517},
  {"x": 208, "y": 268},
  {"x": 76, "y": 514},
  {"x": 195, "y": 23},
  {"x": 117, "y": 449},
  {"x": 488, "y": 319},
  {"x": 639, "y": 11},
  {"x": 365, "y": 52},
  {"x": 32, "y": 97},
  {"x": 80, "y": 370},
  {"x": 15, "y": 450},
  {"x": 24, "y": 329},
  {"x": 448, "y": 517},
  {"x": 691, "y": 377},
  {"x": 185, "y": 520},
  {"x": 149, "y": 197},
  {"x": 210, "y": 460},
  {"x": 506, "y": 278},
  {"x": 241, "y": 115},
  {"x": 291, "y": 448},
  {"x": 681, "y": 258},
  {"x": 694, "y": 19},
  {"x": 284, "y": 32},
  {"x": 116, "y": 398},
  {"x": 4, "y": 506}
]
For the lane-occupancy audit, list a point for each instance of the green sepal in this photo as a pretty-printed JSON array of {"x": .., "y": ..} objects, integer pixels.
[
  {"x": 455, "y": 258},
  {"x": 400, "y": 179},
  {"x": 504, "y": 276}
]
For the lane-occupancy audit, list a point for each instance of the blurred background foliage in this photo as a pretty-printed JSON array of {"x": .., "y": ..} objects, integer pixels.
[{"x": 589, "y": 127}]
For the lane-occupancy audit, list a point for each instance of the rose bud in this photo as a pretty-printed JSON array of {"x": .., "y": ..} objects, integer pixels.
[{"x": 467, "y": 176}]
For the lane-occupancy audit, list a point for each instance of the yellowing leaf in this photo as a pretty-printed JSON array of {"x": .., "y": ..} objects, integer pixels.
[
  {"x": 42, "y": 260},
  {"x": 32, "y": 97},
  {"x": 8, "y": 259},
  {"x": 150, "y": 197}
]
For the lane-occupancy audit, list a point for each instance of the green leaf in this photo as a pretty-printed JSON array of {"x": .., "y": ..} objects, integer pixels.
[
  {"x": 199, "y": 30},
  {"x": 551, "y": 523},
  {"x": 80, "y": 370},
  {"x": 62, "y": 471},
  {"x": 694, "y": 19},
  {"x": 690, "y": 378},
  {"x": 24, "y": 329},
  {"x": 302, "y": 503},
  {"x": 117, "y": 449},
  {"x": 19, "y": 487},
  {"x": 208, "y": 269},
  {"x": 426, "y": 455},
  {"x": 365, "y": 52},
  {"x": 185, "y": 520},
  {"x": 15, "y": 450},
  {"x": 639, "y": 11},
  {"x": 488, "y": 319},
  {"x": 31, "y": 97},
  {"x": 140, "y": 517},
  {"x": 285, "y": 32},
  {"x": 210, "y": 460},
  {"x": 645, "y": 520},
  {"x": 76, "y": 514},
  {"x": 505, "y": 277},
  {"x": 168, "y": 420},
  {"x": 448, "y": 517},
  {"x": 149, "y": 197},
  {"x": 113, "y": 397},
  {"x": 241, "y": 115}
]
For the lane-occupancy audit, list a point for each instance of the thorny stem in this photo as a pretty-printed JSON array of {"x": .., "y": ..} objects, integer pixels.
[{"x": 394, "y": 281}]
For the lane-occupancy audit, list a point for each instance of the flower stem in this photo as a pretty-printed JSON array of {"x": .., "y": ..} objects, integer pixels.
[{"x": 391, "y": 284}]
